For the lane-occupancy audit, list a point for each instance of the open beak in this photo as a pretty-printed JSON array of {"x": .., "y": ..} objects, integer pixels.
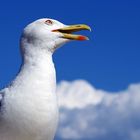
[{"x": 67, "y": 31}]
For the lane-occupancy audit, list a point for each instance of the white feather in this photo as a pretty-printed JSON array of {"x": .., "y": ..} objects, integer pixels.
[{"x": 30, "y": 110}]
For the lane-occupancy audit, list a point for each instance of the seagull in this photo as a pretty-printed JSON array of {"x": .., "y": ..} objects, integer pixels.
[{"x": 28, "y": 105}]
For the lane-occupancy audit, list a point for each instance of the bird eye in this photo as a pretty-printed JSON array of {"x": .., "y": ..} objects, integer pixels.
[{"x": 48, "y": 22}]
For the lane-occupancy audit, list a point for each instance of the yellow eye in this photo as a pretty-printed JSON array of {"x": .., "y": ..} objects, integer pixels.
[{"x": 48, "y": 22}]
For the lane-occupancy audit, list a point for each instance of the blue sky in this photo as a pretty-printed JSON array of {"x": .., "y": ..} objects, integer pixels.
[{"x": 110, "y": 60}]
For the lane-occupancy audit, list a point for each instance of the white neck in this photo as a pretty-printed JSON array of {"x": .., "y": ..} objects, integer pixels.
[{"x": 37, "y": 71}]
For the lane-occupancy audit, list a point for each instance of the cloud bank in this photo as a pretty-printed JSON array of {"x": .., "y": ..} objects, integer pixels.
[{"x": 87, "y": 113}]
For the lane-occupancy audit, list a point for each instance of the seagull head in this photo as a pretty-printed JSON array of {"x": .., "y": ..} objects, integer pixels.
[{"x": 50, "y": 34}]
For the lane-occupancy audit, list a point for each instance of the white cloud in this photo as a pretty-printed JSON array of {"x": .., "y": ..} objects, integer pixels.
[{"x": 88, "y": 113}]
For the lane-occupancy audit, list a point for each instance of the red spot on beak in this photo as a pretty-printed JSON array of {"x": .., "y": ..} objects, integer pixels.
[{"x": 82, "y": 37}]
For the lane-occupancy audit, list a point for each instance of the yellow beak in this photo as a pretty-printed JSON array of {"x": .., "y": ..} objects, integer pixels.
[{"x": 67, "y": 31}]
